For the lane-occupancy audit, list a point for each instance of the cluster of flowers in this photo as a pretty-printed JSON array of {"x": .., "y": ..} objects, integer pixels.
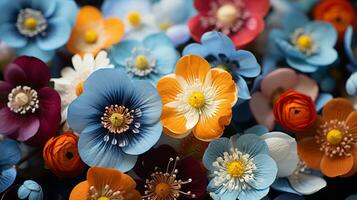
[{"x": 162, "y": 103}]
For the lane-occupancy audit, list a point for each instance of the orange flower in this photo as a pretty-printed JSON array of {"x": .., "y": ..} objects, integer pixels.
[
  {"x": 105, "y": 184},
  {"x": 294, "y": 111},
  {"x": 330, "y": 145},
  {"x": 61, "y": 155},
  {"x": 339, "y": 13},
  {"x": 197, "y": 98},
  {"x": 92, "y": 32}
]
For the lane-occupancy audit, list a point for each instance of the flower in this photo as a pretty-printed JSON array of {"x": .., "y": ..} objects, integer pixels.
[
  {"x": 351, "y": 48},
  {"x": 241, "y": 20},
  {"x": 220, "y": 52},
  {"x": 61, "y": 155},
  {"x": 329, "y": 145},
  {"x": 351, "y": 85},
  {"x": 306, "y": 45},
  {"x": 272, "y": 86},
  {"x": 37, "y": 28},
  {"x": 169, "y": 177},
  {"x": 294, "y": 111},
  {"x": 30, "y": 190},
  {"x": 196, "y": 98},
  {"x": 92, "y": 32},
  {"x": 340, "y": 14},
  {"x": 70, "y": 85},
  {"x": 150, "y": 59},
  {"x": 103, "y": 183},
  {"x": 10, "y": 155},
  {"x": 239, "y": 167},
  {"x": 30, "y": 109},
  {"x": 117, "y": 118}
]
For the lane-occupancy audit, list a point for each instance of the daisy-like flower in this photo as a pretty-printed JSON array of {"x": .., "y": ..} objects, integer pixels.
[
  {"x": 239, "y": 167},
  {"x": 117, "y": 119},
  {"x": 105, "y": 184},
  {"x": 70, "y": 85},
  {"x": 330, "y": 145},
  {"x": 197, "y": 98}
]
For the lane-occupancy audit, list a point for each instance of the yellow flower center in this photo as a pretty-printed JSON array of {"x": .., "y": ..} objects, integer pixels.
[
  {"x": 134, "y": 18},
  {"x": 164, "y": 26},
  {"x": 91, "y": 36},
  {"x": 304, "y": 42},
  {"x": 196, "y": 99},
  {"x": 141, "y": 62},
  {"x": 236, "y": 168},
  {"x": 21, "y": 99},
  {"x": 116, "y": 119},
  {"x": 162, "y": 190},
  {"x": 103, "y": 198},
  {"x": 31, "y": 23},
  {"x": 227, "y": 14},
  {"x": 79, "y": 88},
  {"x": 334, "y": 136}
]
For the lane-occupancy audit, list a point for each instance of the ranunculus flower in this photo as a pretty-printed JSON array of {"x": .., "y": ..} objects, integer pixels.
[
  {"x": 294, "y": 111},
  {"x": 61, "y": 155}
]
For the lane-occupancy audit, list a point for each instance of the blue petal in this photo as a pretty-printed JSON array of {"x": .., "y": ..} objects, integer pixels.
[
  {"x": 301, "y": 65},
  {"x": 166, "y": 58},
  {"x": 32, "y": 185},
  {"x": 321, "y": 100},
  {"x": 218, "y": 43},
  {"x": 7, "y": 178},
  {"x": 157, "y": 40},
  {"x": 351, "y": 85},
  {"x": 325, "y": 56},
  {"x": 243, "y": 90},
  {"x": 351, "y": 197},
  {"x": 11, "y": 36},
  {"x": 307, "y": 184},
  {"x": 36, "y": 196},
  {"x": 323, "y": 33},
  {"x": 178, "y": 34},
  {"x": 257, "y": 129},
  {"x": 250, "y": 144},
  {"x": 348, "y": 39},
  {"x": 120, "y": 8},
  {"x": 253, "y": 194},
  {"x": 122, "y": 51},
  {"x": 67, "y": 9},
  {"x": 294, "y": 20},
  {"x": 23, "y": 192},
  {"x": 9, "y": 10},
  {"x": 229, "y": 195},
  {"x": 266, "y": 171},
  {"x": 10, "y": 152},
  {"x": 196, "y": 49},
  {"x": 289, "y": 50},
  {"x": 248, "y": 65},
  {"x": 46, "y": 7},
  {"x": 289, "y": 197},
  {"x": 283, "y": 185},
  {"x": 31, "y": 49},
  {"x": 58, "y": 32},
  {"x": 215, "y": 149}
]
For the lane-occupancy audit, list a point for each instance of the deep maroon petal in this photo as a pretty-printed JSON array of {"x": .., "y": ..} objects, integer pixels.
[
  {"x": 203, "y": 6},
  {"x": 9, "y": 121},
  {"x": 5, "y": 89},
  {"x": 28, "y": 128},
  {"x": 15, "y": 75},
  {"x": 37, "y": 72}
]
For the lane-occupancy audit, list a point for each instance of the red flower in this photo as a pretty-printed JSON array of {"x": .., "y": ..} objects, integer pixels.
[
  {"x": 241, "y": 20},
  {"x": 29, "y": 109}
]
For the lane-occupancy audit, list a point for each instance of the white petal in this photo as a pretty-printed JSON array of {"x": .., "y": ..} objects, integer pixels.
[
  {"x": 306, "y": 184},
  {"x": 68, "y": 72},
  {"x": 77, "y": 62},
  {"x": 88, "y": 61},
  {"x": 192, "y": 119}
]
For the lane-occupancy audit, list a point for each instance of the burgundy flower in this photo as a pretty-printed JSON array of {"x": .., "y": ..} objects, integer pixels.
[
  {"x": 165, "y": 176},
  {"x": 29, "y": 108}
]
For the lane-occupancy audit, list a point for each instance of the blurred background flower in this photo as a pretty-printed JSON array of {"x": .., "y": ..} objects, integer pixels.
[
  {"x": 10, "y": 156},
  {"x": 30, "y": 190}
]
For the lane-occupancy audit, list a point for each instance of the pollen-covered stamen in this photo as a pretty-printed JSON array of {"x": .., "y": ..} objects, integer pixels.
[
  {"x": 23, "y": 99},
  {"x": 117, "y": 119},
  {"x": 164, "y": 186},
  {"x": 105, "y": 193},
  {"x": 31, "y": 22},
  {"x": 141, "y": 63},
  {"x": 304, "y": 42},
  {"x": 301, "y": 168},
  {"x": 335, "y": 138}
]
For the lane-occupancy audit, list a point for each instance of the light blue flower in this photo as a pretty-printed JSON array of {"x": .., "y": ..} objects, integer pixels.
[
  {"x": 351, "y": 85},
  {"x": 350, "y": 48},
  {"x": 117, "y": 118},
  {"x": 30, "y": 190},
  {"x": 220, "y": 52},
  {"x": 306, "y": 45},
  {"x": 9, "y": 156},
  {"x": 37, "y": 27},
  {"x": 240, "y": 167},
  {"x": 302, "y": 5},
  {"x": 147, "y": 60}
]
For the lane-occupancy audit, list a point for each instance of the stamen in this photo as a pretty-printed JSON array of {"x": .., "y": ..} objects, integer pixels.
[
  {"x": 141, "y": 63},
  {"x": 23, "y": 99},
  {"x": 105, "y": 193},
  {"x": 117, "y": 119},
  {"x": 31, "y": 22},
  {"x": 304, "y": 42}
]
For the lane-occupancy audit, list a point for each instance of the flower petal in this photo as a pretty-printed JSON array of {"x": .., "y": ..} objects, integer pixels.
[
  {"x": 8, "y": 177},
  {"x": 262, "y": 110},
  {"x": 9, "y": 122},
  {"x": 11, "y": 36},
  {"x": 309, "y": 152},
  {"x": 325, "y": 56},
  {"x": 251, "y": 144},
  {"x": 323, "y": 32},
  {"x": 253, "y": 194},
  {"x": 57, "y": 34},
  {"x": 32, "y": 49},
  {"x": 192, "y": 67},
  {"x": 336, "y": 166},
  {"x": 29, "y": 127},
  {"x": 122, "y": 51},
  {"x": 265, "y": 173},
  {"x": 337, "y": 109},
  {"x": 283, "y": 78},
  {"x": 215, "y": 149},
  {"x": 46, "y": 7},
  {"x": 175, "y": 122},
  {"x": 301, "y": 65},
  {"x": 80, "y": 191},
  {"x": 11, "y": 153},
  {"x": 307, "y": 184},
  {"x": 248, "y": 64},
  {"x": 168, "y": 88},
  {"x": 15, "y": 75},
  {"x": 307, "y": 86}
]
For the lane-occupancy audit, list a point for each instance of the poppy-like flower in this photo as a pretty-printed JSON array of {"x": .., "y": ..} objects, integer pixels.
[
  {"x": 36, "y": 28},
  {"x": 350, "y": 45},
  {"x": 29, "y": 109},
  {"x": 10, "y": 155},
  {"x": 294, "y": 111},
  {"x": 92, "y": 32},
  {"x": 30, "y": 190},
  {"x": 241, "y": 20},
  {"x": 103, "y": 184},
  {"x": 169, "y": 177},
  {"x": 149, "y": 59},
  {"x": 220, "y": 52},
  {"x": 340, "y": 14},
  {"x": 330, "y": 144},
  {"x": 272, "y": 86},
  {"x": 61, "y": 155},
  {"x": 70, "y": 85},
  {"x": 306, "y": 45},
  {"x": 197, "y": 98},
  {"x": 117, "y": 118},
  {"x": 240, "y": 167}
]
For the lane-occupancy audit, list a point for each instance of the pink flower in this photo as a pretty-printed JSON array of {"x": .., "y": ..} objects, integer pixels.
[
  {"x": 273, "y": 85},
  {"x": 241, "y": 20}
]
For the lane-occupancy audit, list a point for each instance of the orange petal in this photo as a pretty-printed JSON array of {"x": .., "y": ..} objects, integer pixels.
[
  {"x": 126, "y": 184},
  {"x": 80, "y": 191},
  {"x": 354, "y": 168},
  {"x": 336, "y": 166},
  {"x": 351, "y": 122},
  {"x": 309, "y": 152},
  {"x": 338, "y": 108},
  {"x": 311, "y": 130},
  {"x": 114, "y": 31},
  {"x": 133, "y": 195},
  {"x": 168, "y": 88},
  {"x": 173, "y": 121},
  {"x": 88, "y": 15},
  {"x": 192, "y": 67},
  {"x": 226, "y": 88}
]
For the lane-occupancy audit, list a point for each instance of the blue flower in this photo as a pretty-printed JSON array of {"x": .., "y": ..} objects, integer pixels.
[
  {"x": 117, "y": 119},
  {"x": 30, "y": 190},
  {"x": 351, "y": 85},
  {"x": 220, "y": 52},
  {"x": 150, "y": 59},
  {"x": 288, "y": 196},
  {"x": 9, "y": 156},
  {"x": 37, "y": 27},
  {"x": 240, "y": 167},
  {"x": 350, "y": 44},
  {"x": 306, "y": 45}
]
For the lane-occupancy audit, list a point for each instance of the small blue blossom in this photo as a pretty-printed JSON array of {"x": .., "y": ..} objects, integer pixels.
[
  {"x": 30, "y": 190},
  {"x": 350, "y": 44},
  {"x": 9, "y": 156}
]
